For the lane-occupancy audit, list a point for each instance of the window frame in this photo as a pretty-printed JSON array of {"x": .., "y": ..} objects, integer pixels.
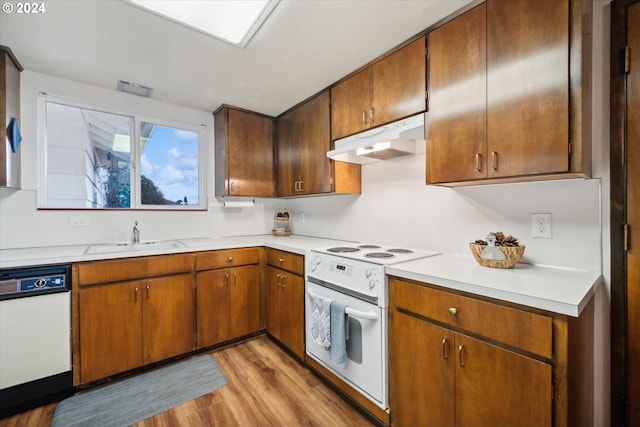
[{"x": 135, "y": 154}]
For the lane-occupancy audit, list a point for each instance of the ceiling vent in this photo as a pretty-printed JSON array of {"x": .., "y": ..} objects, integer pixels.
[{"x": 134, "y": 89}]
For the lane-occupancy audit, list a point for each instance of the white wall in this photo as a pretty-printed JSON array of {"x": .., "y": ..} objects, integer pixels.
[{"x": 23, "y": 225}]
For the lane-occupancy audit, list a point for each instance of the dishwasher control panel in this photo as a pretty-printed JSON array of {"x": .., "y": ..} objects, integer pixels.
[{"x": 24, "y": 282}]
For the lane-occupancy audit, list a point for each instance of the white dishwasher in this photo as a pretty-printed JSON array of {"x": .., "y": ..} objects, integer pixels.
[{"x": 35, "y": 337}]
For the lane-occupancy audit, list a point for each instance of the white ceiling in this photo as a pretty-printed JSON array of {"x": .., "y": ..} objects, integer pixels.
[{"x": 304, "y": 46}]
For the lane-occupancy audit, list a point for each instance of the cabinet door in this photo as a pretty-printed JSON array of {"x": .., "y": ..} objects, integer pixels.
[
  {"x": 456, "y": 123},
  {"x": 285, "y": 309},
  {"x": 399, "y": 84},
  {"x": 213, "y": 307},
  {"x": 288, "y": 153},
  {"x": 250, "y": 154},
  {"x": 314, "y": 142},
  {"x": 422, "y": 358},
  {"x": 111, "y": 330},
  {"x": 167, "y": 317},
  {"x": 350, "y": 104},
  {"x": 245, "y": 300},
  {"x": 497, "y": 387},
  {"x": 527, "y": 87}
]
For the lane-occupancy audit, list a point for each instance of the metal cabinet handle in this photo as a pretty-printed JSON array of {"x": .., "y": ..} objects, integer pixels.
[
  {"x": 295, "y": 186},
  {"x": 445, "y": 345},
  {"x": 453, "y": 311},
  {"x": 494, "y": 160},
  {"x": 281, "y": 260},
  {"x": 230, "y": 259},
  {"x": 364, "y": 117},
  {"x": 135, "y": 295},
  {"x": 226, "y": 279},
  {"x": 478, "y": 162},
  {"x": 231, "y": 189},
  {"x": 371, "y": 116},
  {"x": 235, "y": 278},
  {"x": 460, "y": 353},
  {"x": 281, "y": 283},
  {"x": 148, "y": 290},
  {"x": 301, "y": 186}
]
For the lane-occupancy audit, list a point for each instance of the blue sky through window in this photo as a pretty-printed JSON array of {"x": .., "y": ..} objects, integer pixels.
[{"x": 169, "y": 158}]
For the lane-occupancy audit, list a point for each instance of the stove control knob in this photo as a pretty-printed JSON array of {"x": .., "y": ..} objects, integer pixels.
[
  {"x": 368, "y": 273},
  {"x": 372, "y": 284}
]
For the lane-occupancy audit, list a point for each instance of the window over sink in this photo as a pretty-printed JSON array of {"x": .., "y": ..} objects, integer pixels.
[{"x": 95, "y": 158}]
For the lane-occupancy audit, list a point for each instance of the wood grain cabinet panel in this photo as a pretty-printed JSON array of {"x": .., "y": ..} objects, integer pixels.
[
  {"x": 303, "y": 167},
  {"x": 508, "y": 93},
  {"x": 228, "y": 295},
  {"x": 125, "y": 325},
  {"x": 386, "y": 91},
  {"x": 455, "y": 360},
  {"x": 285, "y": 299},
  {"x": 10, "y": 70},
  {"x": 244, "y": 154}
]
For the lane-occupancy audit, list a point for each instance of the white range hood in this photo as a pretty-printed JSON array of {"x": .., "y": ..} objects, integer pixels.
[{"x": 385, "y": 142}]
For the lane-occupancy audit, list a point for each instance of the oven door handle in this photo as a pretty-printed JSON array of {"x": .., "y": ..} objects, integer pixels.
[{"x": 352, "y": 312}]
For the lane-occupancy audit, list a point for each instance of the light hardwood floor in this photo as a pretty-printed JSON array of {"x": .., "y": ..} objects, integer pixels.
[{"x": 266, "y": 387}]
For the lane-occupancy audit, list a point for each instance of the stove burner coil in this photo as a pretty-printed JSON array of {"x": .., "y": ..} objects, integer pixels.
[
  {"x": 369, "y": 247},
  {"x": 379, "y": 255},
  {"x": 400, "y": 251},
  {"x": 343, "y": 249}
]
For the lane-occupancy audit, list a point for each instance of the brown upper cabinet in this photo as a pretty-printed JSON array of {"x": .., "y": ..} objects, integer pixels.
[
  {"x": 302, "y": 144},
  {"x": 244, "y": 153},
  {"x": 509, "y": 91},
  {"x": 10, "y": 70},
  {"x": 388, "y": 90}
]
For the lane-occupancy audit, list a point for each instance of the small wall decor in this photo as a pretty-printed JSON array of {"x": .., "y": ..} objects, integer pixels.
[{"x": 13, "y": 134}]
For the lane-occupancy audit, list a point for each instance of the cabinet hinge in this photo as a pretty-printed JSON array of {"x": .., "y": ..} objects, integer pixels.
[
  {"x": 625, "y": 237},
  {"x": 627, "y": 59}
]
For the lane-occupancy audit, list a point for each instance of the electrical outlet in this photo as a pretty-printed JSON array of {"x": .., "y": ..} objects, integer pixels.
[
  {"x": 79, "y": 221},
  {"x": 301, "y": 216},
  {"x": 541, "y": 225}
]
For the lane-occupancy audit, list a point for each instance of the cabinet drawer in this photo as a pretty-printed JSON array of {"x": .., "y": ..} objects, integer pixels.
[
  {"x": 286, "y": 261},
  {"x": 227, "y": 258},
  {"x": 118, "y": 270},
  {"x": 521, "y": 329}
]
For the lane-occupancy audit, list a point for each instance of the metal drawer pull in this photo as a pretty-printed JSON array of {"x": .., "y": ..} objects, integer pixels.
[
  {"x": 460, "y": 352},
  {"x": 494, "y": 159},
  {"x": 478, "y": 162},
  {"x": 352, "y": 312},
  {"x": 445, "y": 345},
  {"x": 364, "y": 117},
  {"x": 281, "y": 260},
  {"x": 453, "y": 311},
  {"x": 230, "y": 259}
]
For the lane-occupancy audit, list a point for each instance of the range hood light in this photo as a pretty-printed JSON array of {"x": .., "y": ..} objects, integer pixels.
[
  {"x": 385, "y": 142},
  {"x": 363, "y": 151}
]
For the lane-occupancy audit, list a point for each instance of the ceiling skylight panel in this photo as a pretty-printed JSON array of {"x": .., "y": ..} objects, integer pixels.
[{"x": 232, "y": 21}]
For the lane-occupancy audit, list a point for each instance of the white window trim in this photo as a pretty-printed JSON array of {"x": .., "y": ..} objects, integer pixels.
[{"x": 135, "y": 196}]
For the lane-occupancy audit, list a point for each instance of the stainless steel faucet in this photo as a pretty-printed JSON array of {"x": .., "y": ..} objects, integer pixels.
[{"x": 136, "y": 233}]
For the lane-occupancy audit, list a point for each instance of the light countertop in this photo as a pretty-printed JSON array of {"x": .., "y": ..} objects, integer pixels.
[
  {"x": 21, "y": 257},
  {"x": 560, "y": 290}
]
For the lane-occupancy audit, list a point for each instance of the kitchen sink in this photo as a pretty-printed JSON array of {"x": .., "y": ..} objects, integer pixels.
[{"x": 147, "y": 245}]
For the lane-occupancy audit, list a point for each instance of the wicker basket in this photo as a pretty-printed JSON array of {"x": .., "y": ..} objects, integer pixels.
[{"x": 513, "y": 254}]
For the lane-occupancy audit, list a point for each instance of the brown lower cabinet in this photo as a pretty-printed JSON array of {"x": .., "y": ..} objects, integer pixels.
[
  {"x": 285, "y": 299},
  {"x": 227, "y": 295},
  {"x": 125, "y": 325},
  {"x": 457, "y": 360},
  {"x": 228, "y": 304}
]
